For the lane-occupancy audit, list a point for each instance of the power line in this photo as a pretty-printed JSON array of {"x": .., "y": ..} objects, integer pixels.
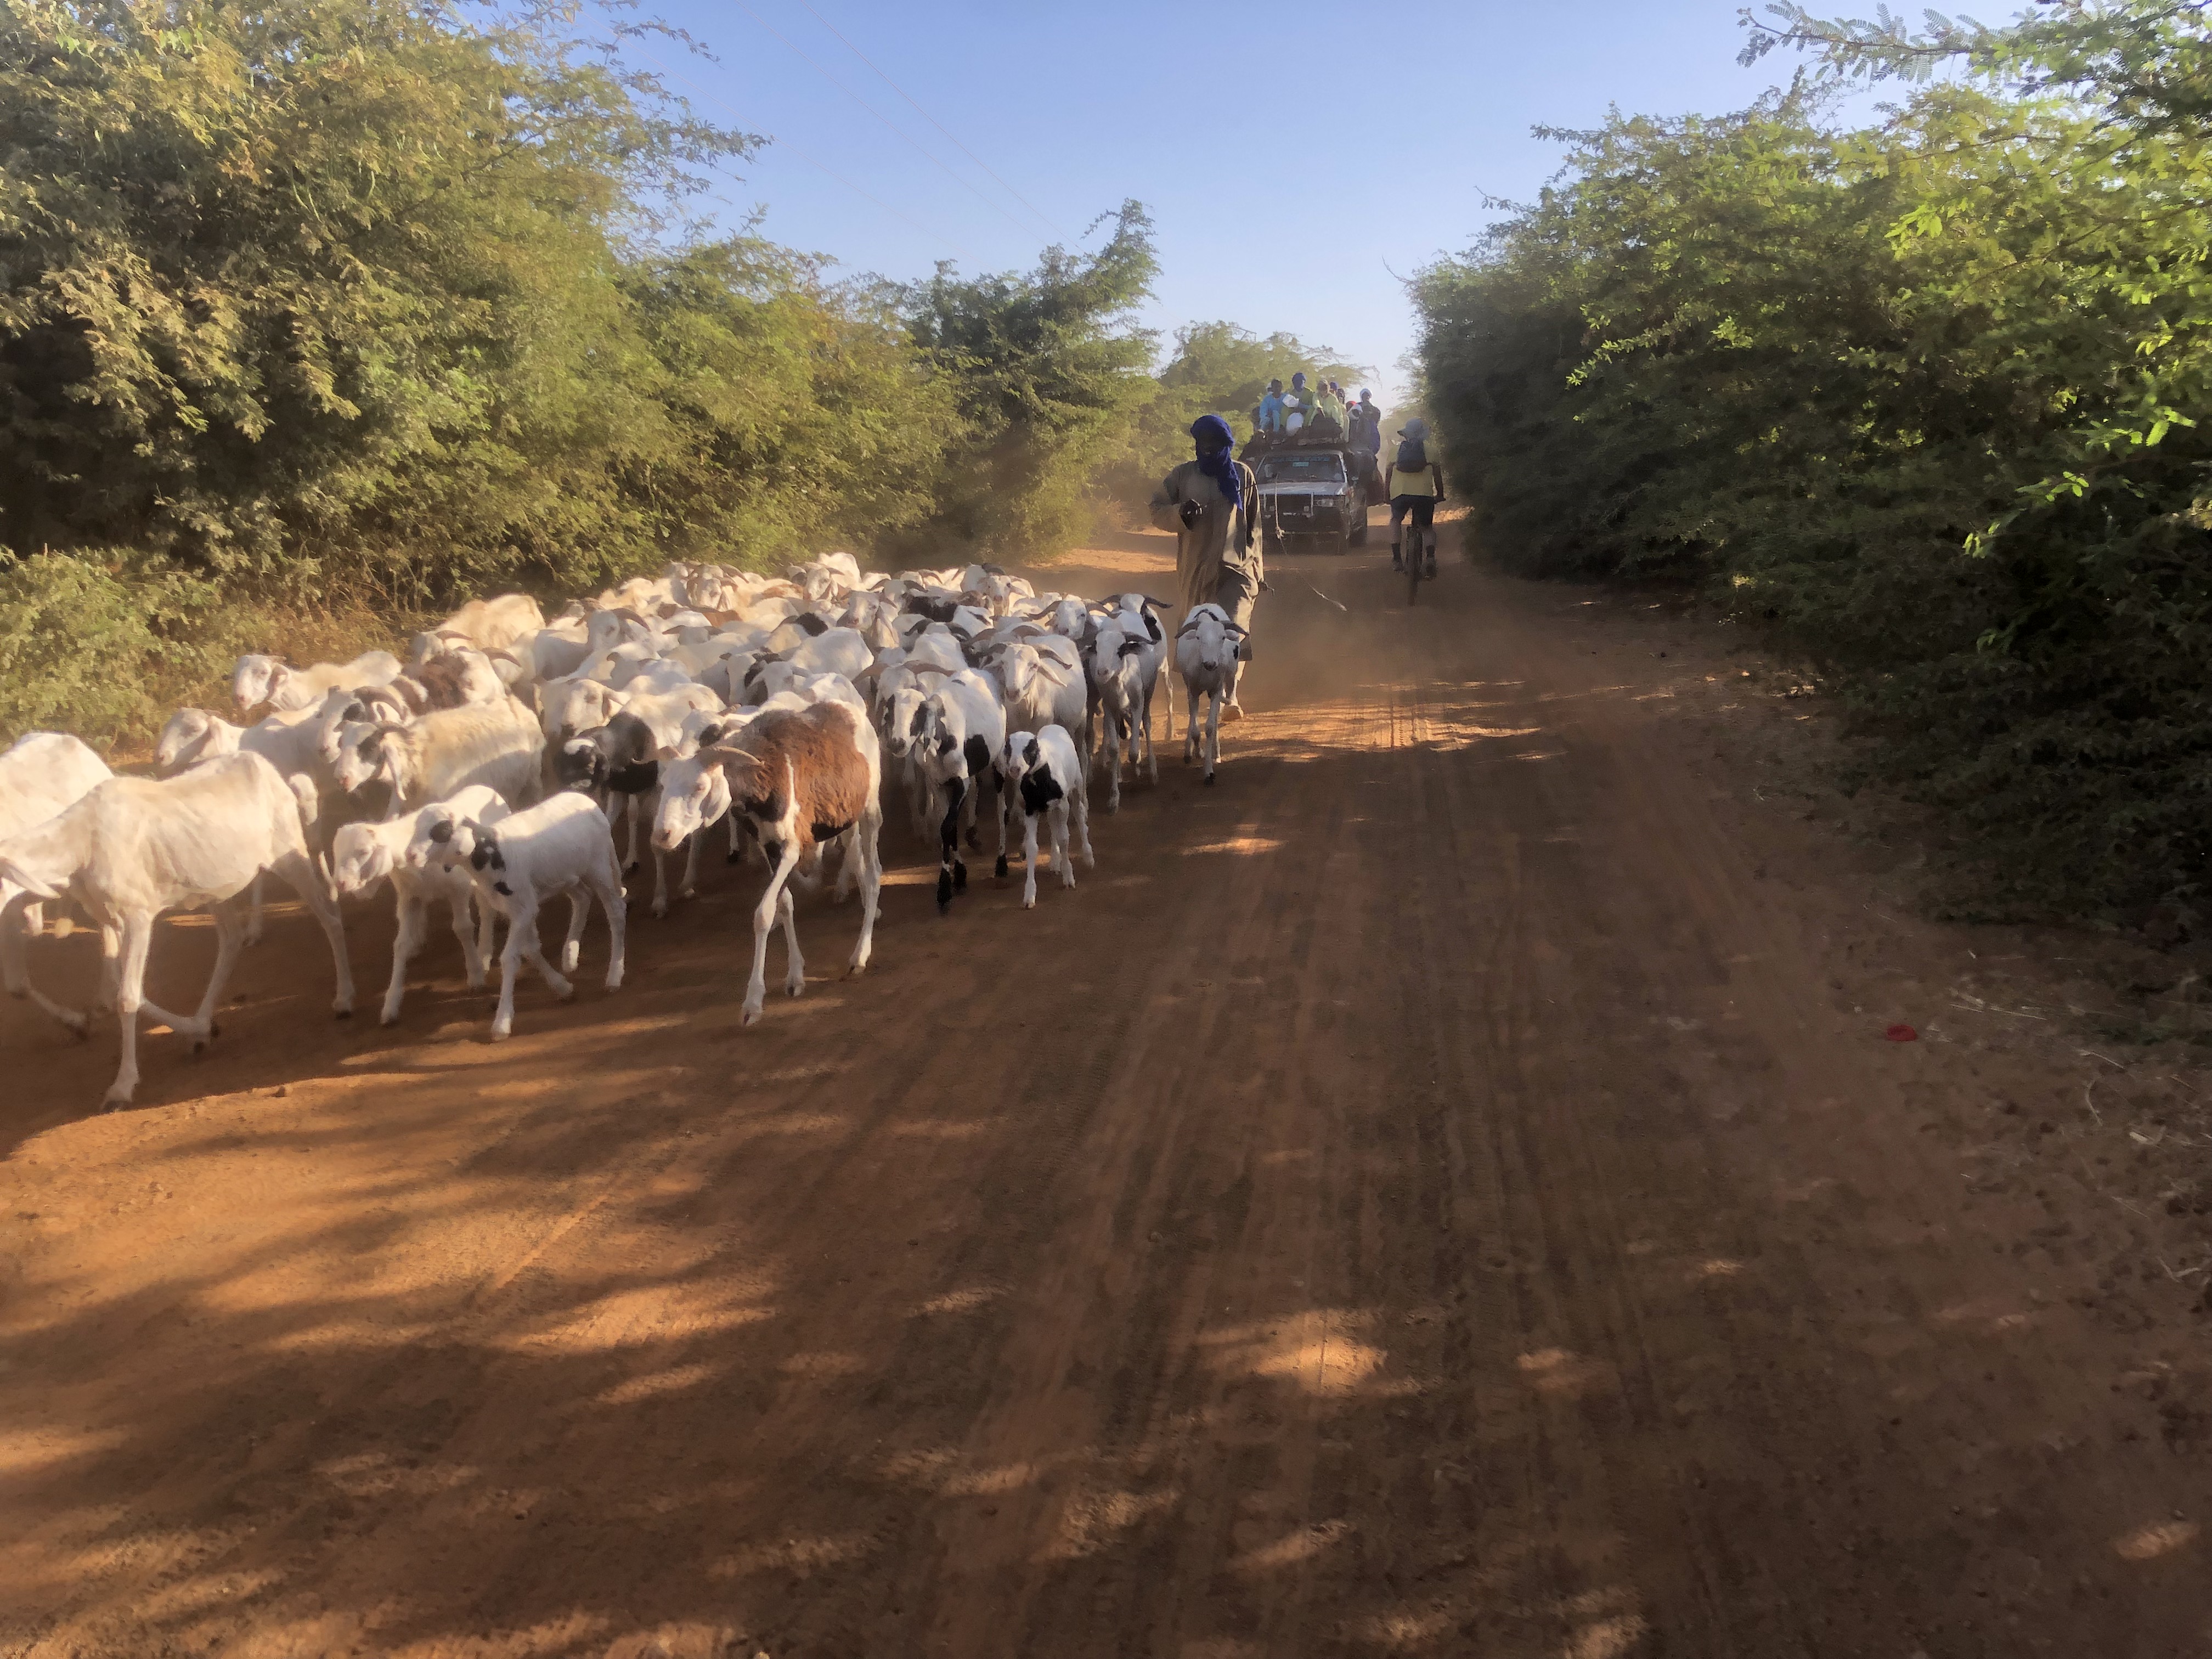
[
  {"x": 933, "y": 121},
  {"x": 880, "y": 116},
  {"x": 857, "y": 189}
]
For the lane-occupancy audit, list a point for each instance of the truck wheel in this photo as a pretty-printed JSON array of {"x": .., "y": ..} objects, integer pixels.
[{"x": 1357, "y": 536}]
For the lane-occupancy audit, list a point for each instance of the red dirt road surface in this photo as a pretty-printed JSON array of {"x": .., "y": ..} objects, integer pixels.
[{"x": 1443, "y": 1190}]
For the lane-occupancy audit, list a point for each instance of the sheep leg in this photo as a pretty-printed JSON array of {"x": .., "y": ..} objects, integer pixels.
[
  {"x": 1083, "y": 832},
  {"x": 253, "y": 923},
  {"x": 737, "y": 846},
  {"x": 659, "y": 882},
  {"x": 408, "y": 940},
  {"x": 629, "y": 852},
  {"x": 1059, "y": 858},
  {"x": 608, "y": 889},
  {"x": 532, "y": 950},
  {"x": 952, "y": 874},
  {"x": 1004, "y": 801},
  {"x": 1213, "y": 700},
  {"x": 867, "y": 834},
  {"x": 1151, "y": 753},
  {"x": 137, "y": 935},
  {"x": 14, "y": 976},
  {"x": 502, "y": 1019},
  {"x": 1190, "y": 734},
  {"x": 848, "y": 870},
  {"x": 784, "y": 859},
  {"x": 229, "y": 933},
  {"x": 1028, "y": 860},
  {"x": 479, "y": 959},
  {"x": 572, "y": 945},
  {"x": 1114, "y": 725},
  {"x": 294, "y": 870},
  {"x": 475, "y": 944},
  {"x": 691, "y": 887},
  {"x": 794, "y": 965}
]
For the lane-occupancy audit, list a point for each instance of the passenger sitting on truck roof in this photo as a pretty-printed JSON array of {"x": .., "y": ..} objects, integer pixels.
[
  {"x": 1298, "y": 404},
  {"x": 1329, "y": 406},
  {"x": 1269, "y": 415}
]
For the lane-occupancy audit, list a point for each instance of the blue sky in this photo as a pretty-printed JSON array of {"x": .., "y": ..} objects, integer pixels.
[{"x": 1293, "y": 154}]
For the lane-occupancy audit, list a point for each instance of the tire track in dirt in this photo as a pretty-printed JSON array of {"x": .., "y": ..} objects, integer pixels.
[{"x": 1421, "y": 1195}]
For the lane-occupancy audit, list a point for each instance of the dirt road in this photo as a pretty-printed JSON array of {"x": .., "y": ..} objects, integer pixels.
[{"x": 1442, "y": 1191}]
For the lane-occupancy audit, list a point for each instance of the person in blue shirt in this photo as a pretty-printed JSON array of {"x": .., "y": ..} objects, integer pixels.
[{"x": 1271, "y": 408}]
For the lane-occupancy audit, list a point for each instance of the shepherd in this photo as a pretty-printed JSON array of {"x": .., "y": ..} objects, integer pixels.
[{"x": 1208, "y": 502}]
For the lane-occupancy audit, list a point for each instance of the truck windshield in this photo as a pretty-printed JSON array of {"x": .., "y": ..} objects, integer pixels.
[{"x": 1326, "y": 467}]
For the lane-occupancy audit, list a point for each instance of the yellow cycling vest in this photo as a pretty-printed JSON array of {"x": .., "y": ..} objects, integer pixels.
[{"x": 1422, "y": 483}]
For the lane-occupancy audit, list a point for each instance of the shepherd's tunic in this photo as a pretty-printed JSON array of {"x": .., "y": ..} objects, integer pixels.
[{"x": 1216, "y": 554}]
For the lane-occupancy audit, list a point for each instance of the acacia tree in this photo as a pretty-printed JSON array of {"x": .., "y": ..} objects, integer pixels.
[{"x": 1045, "y": 369}]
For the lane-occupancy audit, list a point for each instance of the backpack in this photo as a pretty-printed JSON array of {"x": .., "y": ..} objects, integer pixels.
[{"x": 1413, "y": 455}]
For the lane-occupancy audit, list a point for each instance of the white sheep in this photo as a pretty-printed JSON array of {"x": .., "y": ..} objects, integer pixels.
[
  {"x": 41, "y": 773},
  {"x": 1046, "y": 775},
  {"x": 294, "y": 743},
  {"x": 957, "y": 734},
  {"x": 1122, "y": 668},
  {"x": 562, "y": 845},
  {"x": 498, "y": 744},
  {"x": 258, "y": 678},
  {"x": 133, "y": 848},
  {"x": 493, "y": 624},
  {"x": 1042, "y": 676},
  {"x": 366, "y": 853},
  {"x": 1206, "y": 656}
]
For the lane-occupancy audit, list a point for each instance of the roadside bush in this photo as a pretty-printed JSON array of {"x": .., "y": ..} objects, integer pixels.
[
  {"x": 1922, "y": 399},
  {"x": 96, "y": 645}
]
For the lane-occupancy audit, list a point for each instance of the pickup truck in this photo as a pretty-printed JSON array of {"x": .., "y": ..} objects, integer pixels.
[{"x": 1311, "y": 487}]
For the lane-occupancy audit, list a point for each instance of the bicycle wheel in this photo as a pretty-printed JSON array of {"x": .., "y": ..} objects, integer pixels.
[{"x": 1413, "y": 540}]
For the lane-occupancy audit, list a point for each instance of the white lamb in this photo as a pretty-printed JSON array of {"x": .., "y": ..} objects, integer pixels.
[
  {"x": 1047, "y": 777},
  {"x": 562, "y": 845},
  {"x": 365, "y": 853}
]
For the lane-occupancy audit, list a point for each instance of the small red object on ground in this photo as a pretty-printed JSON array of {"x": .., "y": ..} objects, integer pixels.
[{"x": 1902, "y": 1034}]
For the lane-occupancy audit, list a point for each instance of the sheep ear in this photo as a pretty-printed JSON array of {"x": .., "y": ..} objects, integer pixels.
[
  {"x": 13, "y": 875},
  {"x": 1029, "y": 754}
]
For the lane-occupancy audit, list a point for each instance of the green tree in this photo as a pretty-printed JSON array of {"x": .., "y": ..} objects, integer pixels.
[
  {"x": 1923, "y": 396},
  {"x": 305, "y": 287},
  {"x": 1045, "y": 368}
]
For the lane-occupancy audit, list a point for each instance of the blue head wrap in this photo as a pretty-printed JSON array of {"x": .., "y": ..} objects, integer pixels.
[{"x": 1221, "y": 466}]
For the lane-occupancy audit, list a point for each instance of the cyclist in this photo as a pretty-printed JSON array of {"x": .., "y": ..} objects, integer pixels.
[{"x": 1415, "y": 486}]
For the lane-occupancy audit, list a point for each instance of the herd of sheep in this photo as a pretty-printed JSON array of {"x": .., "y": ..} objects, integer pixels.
[{"x": 488, "y": 773}]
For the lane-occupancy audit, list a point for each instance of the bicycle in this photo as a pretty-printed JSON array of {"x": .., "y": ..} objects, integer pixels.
[{"x": 1420, "y": 541}]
